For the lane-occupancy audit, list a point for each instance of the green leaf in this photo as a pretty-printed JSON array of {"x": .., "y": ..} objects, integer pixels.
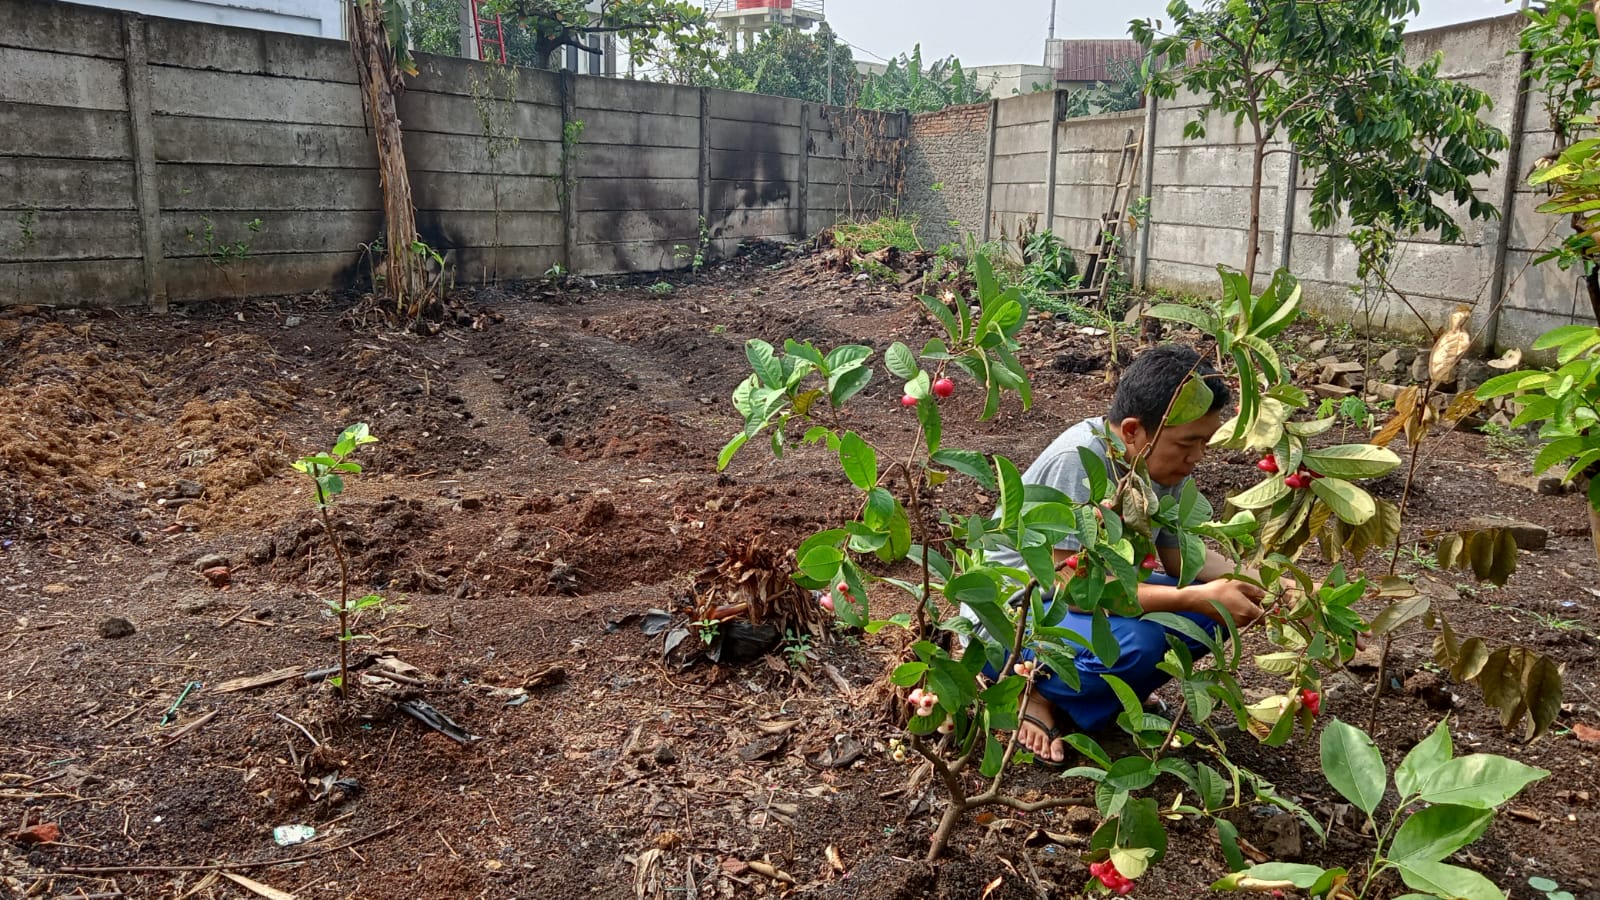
[
  {"x": 1352, "y": 764},
  {"x": 846, "y": 383},
  {"x": 1436, "y": 832},
  {"x": 1011, "y": 497},
  {"x": 1102, "y": 640},
  {"x": 860, "y": 461},
  {"x": 993, "y": 756},
  {"x": 1454, "y": 882},
  {"x": 1263, "y": 494},
  {"x": 1480, "y": 781},
  {"x": 932, "y": 424},
  {"x": 1352, "y": 461},
  {"x": 765, "y": 362},
  {"x": 901, "y": 361},
  {"x": 1350, "y": 503},
  {"x": 943, "y": 314},
  {"x": 1228, "y": 837},
  {"x": 1399, "y": 613},
  {"x": 1274, "y": 874},
  {"x": 967, "y": 462},
  {"x": 1193, "y": 401},
  {"x": 1555, "y": 337},
  {"x": 908, "y": 674},
  {"x": 1511, "y": 383},
  {"x": 1188, "y": 315},
  {"x": 899, "y": 531},
  {"x": 1420, "y": 763},
  {"x": 729, "y": 449}
]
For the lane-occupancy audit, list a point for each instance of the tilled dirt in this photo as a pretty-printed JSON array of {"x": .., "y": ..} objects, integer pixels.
[{"x": 538, "y": 485}]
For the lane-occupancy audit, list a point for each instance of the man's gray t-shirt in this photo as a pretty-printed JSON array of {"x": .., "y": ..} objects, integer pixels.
[{"x": 1060, "y": 467}]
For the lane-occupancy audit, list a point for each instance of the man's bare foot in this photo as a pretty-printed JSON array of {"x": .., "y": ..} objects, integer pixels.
[{"x": 1038, "y": 733}]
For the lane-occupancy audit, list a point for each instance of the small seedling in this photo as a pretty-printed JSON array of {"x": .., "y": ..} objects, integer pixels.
[
  {"x": 709, "y": 629},
  {"x": 1550, "y": 889},
  {"x": 220, "y": 253},
  {"x": 327, "y": 471},
  {"x": 660, "y": 288},
  {"x": 797, "y": 647}
]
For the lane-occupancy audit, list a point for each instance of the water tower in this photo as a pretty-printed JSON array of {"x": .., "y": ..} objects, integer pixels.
[{"x": 751, "y": 17}]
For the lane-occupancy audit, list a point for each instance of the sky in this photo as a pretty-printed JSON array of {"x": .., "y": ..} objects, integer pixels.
[{"x": 1013, "y": 31}]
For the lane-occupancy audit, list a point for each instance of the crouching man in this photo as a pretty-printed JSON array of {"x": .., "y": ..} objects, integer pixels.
[{"x": 1142, "y": 398}]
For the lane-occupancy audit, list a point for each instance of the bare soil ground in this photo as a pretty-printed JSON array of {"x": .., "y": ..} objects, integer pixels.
[{"x": 538, "y": 479}]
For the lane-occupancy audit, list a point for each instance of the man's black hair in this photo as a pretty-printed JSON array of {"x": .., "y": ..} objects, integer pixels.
[{"x": 1147, "y": 385}]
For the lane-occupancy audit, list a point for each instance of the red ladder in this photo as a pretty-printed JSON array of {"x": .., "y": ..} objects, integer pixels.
[{"x": 484, "y": 43}]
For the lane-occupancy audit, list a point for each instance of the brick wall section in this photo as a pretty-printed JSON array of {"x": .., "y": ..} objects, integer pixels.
[
  {"x": 957, "y": 120},
  {"x": 946, "y": 162}
]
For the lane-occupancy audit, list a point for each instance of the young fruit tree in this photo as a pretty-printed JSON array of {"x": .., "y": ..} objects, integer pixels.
[
  {"x": 1563, "y": 47},
  {"x": 1384, "y": 142},
  {"x": 984, "y": 638}
]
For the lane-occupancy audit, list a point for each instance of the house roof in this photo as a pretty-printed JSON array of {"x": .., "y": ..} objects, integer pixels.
[
  {"x": 1092, "y": 59},
  {"x": 1088, "y": 60}
]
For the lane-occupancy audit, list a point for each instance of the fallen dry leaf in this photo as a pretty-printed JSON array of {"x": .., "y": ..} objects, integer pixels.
[
  {"x": 1586, "y": 733},
  {"x": 256, "y": 887},
  {"x": 48, "y": 833}
]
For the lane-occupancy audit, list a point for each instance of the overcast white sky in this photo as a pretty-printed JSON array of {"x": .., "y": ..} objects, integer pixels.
[{"x": 1013, "y": 31}]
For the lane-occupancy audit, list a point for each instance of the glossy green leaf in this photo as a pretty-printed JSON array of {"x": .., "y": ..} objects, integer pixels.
[
  {"x": 1454, "y": 882},
  {"x": 1480, "y": 781},
  {"x": 1350, "y": 503},
  {"x": 1352, "y": 764},
  {"x": 859, "y": 460},
  {"x": 1436, "y": 832}
]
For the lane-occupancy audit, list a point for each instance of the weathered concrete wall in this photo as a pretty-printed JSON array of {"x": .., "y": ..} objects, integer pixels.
[
  {"x": 1089, "y": 156},
  {"x": 1020, "y": 172},
  {"x": 946, "y": 169},
  {"x": 1199, "y": 203},
  {"x": 134, "y": 150}
]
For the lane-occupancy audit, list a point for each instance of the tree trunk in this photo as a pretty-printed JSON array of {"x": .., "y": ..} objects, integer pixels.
[
  {"x": 1591, "y": 282},
  {"x": 403, "y": 278},
  {"x": 1253, "y": 236}
]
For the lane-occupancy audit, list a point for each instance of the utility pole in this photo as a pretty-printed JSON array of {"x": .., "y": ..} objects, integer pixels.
[
  {"x": 469, "y": 32},
  {"x": 826, "y": 34}
]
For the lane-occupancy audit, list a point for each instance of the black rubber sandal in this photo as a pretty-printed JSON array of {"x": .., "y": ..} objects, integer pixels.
[{"x": 1053, "y": 734}]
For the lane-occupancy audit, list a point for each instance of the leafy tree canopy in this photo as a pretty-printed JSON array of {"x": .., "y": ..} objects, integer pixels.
[
  {"x": 907, "y": 85},
  {"x": 1385, "y": 142},
  {"x": 793, "y": 63}
]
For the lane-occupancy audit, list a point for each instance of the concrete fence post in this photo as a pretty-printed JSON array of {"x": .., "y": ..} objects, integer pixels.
[
  {"x": 1057, "y": 113},
  {"x": 988, "y": 172},
  {"x": 703, "y": 170},
  {"x": 147, "y": 195},
  {"x": 569, "y": 171},
  {"x": 803, "y": 178},
  {"x": 1291, "y": 190},
  {"x": 1508, "y": 207},
  {"x": 1147, "y": 188}
]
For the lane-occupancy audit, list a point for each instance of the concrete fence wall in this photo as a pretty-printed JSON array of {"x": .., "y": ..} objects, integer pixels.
[
  {"x": 1036, "y": 175},
  {"x": 135, "y": 152}
]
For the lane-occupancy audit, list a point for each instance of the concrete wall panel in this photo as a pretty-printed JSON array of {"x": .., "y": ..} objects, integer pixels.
[
  {"x": 83, "y": 283},
  {"x": 47, "y": 183},
  {"x": 28, "y": 130},
  {"x": 52, "y": 79}
]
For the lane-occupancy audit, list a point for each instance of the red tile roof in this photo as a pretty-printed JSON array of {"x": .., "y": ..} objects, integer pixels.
[{"x": 1088, "y": 60}]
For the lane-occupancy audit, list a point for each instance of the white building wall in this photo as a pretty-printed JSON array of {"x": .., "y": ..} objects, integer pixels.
[{"x": 317, "y": 18}]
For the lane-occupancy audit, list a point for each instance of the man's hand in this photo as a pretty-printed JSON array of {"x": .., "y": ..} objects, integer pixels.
[{"x": 1241, "y": 600}]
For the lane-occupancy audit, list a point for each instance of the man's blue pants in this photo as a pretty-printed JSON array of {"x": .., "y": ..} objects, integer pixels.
[{"x": 1093, "y": 704}]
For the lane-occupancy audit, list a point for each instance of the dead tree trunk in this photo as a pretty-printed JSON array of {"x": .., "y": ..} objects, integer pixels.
[{"x": 404, "y": 281}]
